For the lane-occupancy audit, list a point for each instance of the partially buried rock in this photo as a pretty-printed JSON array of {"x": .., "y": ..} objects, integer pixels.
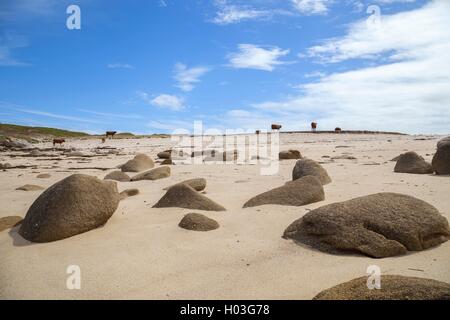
[
  {"x": 74, "y": 205},
  {"x": 43, "y": 176},
  {"x": 441, "y": 160},
  {"x": 30, "y": 187},
  {"x": 411, "y": 162},
  {"x": 167, "y": 162},
  {"x": 393, "y": 287},
  {"x": 308, "y": 167},
  {"x": 198, "y": 184},
  {"x": 140, "y": 163},
  {"x": 128, "y": 193},
  {"x": 5, "y": 165},
  {"x": 117, "y": 176},
  {"x": 290, "y": 154},
  {"x": 294, "y": 193},
  {"x": 9, "y": 222},
  {"x": 183, "y": 196},
  {"x": 379, "y": 225},
  {"x": 154, "y": 174},
  {"x": 198, "y": 222}
]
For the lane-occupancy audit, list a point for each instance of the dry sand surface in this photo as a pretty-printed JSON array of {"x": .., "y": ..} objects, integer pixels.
[{"x": 142, "y": 252}]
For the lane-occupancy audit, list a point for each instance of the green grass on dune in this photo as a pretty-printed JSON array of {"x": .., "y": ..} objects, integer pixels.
[{"x": 25, "y": 131}]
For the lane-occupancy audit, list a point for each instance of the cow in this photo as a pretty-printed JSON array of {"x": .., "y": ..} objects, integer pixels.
[
  {"x": 103, "y": 140},
  {"x": 337, "y": 130},
  {"x": 110, "y": 134},
  {"x": 58, "y": 141},
  {"x": 258, "y": 131},
  {"x": 276, "y": 126},
  {"x": 313, "y": 126}
]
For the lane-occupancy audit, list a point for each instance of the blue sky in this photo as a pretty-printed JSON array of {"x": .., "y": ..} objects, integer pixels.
[{"x": 156, "y": 66}]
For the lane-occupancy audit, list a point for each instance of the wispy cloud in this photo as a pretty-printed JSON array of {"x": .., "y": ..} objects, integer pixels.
[
  {"x": 9, "y": 42},
  {"x": 27, "y": 110},
  {"x": 111, "y": 115},
  {"x": 187, "y": 77},
  {"x": 165, "y": 101},
  {"x": 228, "y": 13},
  {"x": 251, "y": 56},
  {"x": 120, "y": 66}
]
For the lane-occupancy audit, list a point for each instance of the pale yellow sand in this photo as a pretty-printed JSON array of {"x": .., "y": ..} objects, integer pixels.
[{"x": 142, "y": 253}]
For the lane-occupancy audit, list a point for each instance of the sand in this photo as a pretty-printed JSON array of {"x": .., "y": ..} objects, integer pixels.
[{"x": 141, "y": 253}]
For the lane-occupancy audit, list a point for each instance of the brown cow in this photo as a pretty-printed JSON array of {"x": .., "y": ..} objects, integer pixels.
[
  {"x": 313, "y": 126},
  {"x": 276, "y": 126},
  {"x": 58, "y": 141},
  {"x": 110, "y": 134},
  {"x": 337, "y": 130}
]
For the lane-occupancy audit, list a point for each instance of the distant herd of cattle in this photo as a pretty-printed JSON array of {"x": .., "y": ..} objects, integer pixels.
[{"x": 275, "y": 127}]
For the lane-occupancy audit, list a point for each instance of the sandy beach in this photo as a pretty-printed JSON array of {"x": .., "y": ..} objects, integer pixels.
[{"x": 142, "y": 253}]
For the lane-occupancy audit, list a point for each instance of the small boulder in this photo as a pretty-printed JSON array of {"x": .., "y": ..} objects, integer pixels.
[
  {"x": 411, "y": 162},
  {"x": 441, "y": 159},
  {"x": 183, "y": 196},
  {"x": 30, "y": 187},
  {"x": 165, "y": 154},
  {"x": 379, "y": 225},
  {"x": 14, "y": 143},
  {"x": 117, "y": 176},
  {"x": 9, "y": 222},
  {"x": 154, "y": 174},
  {"x": 198, "y": 184},
  {"x": 299, "y": 192},
  {"x": 128, "y": 193},
  {"x": 139, "y": 163},
  {"x": 308, "y": 167},
  {"x": 74, "y": 205},
  {"x": 393, "y": 287},
  {"x": 289, "y": 154},
  {"x": 198, "y": 222}
]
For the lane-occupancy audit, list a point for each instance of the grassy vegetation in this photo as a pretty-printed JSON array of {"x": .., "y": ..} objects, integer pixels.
[{"x": 26, "y": 132}]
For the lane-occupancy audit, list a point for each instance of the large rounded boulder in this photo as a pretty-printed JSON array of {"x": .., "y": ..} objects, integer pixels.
[
  {"x": 441, "y": 159},
  {"x": 294, "y": 193},
  {"x": 74, "y": 205},
  {"x": 308, "y": 167},
  {"x": 393, "y": 287},
  {"x": 139, "y": 163},
  {"x": 379, "y": 225},
  {"x": 411, "y": 162}
]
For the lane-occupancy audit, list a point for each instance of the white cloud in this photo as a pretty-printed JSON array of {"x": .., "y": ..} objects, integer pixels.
[
  {"x": 407, "y": 92},
  {"x": 256, "y": 57},
  {"x": 188, "y": 77},
  {"x": 165, "y": 101},
  {"x": 311, "y": 7}
]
